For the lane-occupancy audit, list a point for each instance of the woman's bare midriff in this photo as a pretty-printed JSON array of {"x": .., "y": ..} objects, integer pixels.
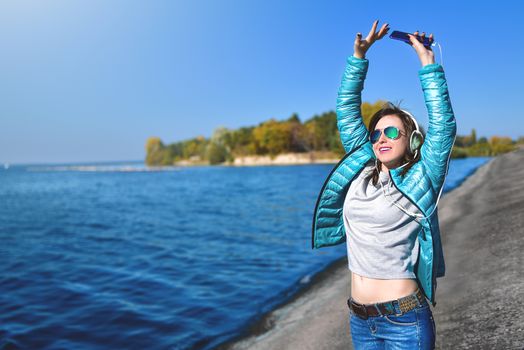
[{"x": 365, "y": 290}]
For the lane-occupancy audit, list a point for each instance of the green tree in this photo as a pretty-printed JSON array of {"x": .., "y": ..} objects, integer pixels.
[
  {"x": 473, "y": 136},
  {"x": 154, "y": 151},
  {"x": 300, "y": 141},
  {"x": 294, "y": 118},
  {"x": 501, "y": 145},
  {"x": 241, "y": 141},
  {"x": 458, "y": 152},
  {"x": 321, "y": 131},
  {"x": 480, "y": 149},
  {"x": 216, "y": 153},
  {"x": 482, "y": 140},
  {"x": 195, "y": 148},
  {"x": 272, "y": 137},
  {"x": 369, "y": 109},
  {"x": 218, "y": 149}
]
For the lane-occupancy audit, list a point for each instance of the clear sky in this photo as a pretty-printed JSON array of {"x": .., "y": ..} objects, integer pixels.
[{"x": 87, "y": 81}]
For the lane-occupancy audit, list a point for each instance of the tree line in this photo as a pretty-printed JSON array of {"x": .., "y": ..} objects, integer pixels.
[
  {"x": 470, "y": 146},
  {"x": 273, "y": 137}
]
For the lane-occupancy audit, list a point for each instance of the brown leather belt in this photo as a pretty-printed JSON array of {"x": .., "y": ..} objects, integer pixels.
[{"x": 403, "y": 304}]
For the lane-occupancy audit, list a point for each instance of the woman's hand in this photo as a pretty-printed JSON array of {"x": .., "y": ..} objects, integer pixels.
[
  {"x": 362, "y": 46},
  {"x": 425, "y": 55}
]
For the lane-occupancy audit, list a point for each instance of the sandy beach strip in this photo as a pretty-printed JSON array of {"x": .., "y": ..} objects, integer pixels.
[{"x": 479, "y": 301}]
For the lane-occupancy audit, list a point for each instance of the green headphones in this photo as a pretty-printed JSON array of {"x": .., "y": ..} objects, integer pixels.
[{"x": 416, "y": 138}]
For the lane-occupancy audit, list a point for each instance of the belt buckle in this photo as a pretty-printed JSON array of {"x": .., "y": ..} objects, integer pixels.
[
  {"x": 408, "y": 303},
  {"x": 359, "y": 307},
  {"x": 396, "y": 305}
]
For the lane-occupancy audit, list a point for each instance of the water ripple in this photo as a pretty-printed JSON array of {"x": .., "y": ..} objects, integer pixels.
[{"x": 101, "y": 258}]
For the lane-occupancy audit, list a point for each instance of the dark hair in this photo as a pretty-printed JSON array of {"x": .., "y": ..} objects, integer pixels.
[{"x": 388, "y": 109}]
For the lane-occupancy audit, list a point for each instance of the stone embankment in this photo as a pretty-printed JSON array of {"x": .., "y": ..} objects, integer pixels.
[{"x": 479, "y": 301}]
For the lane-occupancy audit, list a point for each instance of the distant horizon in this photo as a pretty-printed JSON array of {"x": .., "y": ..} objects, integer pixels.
[
  {"x": 109, "y": 161},
  {"x": 89, "y": 162}
]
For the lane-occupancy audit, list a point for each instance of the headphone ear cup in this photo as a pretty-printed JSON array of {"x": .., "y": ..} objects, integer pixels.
[{"x": 415, "y": 141}]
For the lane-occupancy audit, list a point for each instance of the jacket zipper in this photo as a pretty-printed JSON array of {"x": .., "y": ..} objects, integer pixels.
[
  {"x": 433, "y": 269},
  {"x": 322, "y": 191}
]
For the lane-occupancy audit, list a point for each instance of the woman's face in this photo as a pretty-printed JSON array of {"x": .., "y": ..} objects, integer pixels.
[{"x": 390, "y": 152}]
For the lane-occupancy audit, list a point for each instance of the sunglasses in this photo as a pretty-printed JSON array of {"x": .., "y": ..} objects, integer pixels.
[{"x": 391, "y": 132}]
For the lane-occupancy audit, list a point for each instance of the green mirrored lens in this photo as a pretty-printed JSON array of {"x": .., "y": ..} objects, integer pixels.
[
  {"x": 375, "y": 135},
  {"x": 391, "y": 132}
]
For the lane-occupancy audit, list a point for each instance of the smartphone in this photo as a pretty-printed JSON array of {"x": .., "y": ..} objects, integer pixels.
[{"x": 397, "y": 35}]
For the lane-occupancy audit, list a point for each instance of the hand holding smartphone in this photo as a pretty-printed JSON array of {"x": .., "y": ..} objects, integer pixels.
[{"x": 403, "y": 36}]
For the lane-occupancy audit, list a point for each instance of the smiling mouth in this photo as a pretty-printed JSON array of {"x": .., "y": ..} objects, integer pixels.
[{"x": 384, "y": 149}]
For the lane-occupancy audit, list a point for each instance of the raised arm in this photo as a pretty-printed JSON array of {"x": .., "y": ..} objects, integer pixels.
[
  {"x": 353, "y": 132},
  {"x": 442, "y": 129}
]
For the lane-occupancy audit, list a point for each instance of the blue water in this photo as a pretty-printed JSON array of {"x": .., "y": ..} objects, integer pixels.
[{"x": 117, "y": 257}]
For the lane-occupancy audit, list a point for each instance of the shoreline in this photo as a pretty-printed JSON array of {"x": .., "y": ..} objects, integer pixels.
[
  {"x": 281, "y": 159},
  {"x": 313, "y": 157},
  {"x": 260, "y": 328},
  {"x": 316, "y": 317}
]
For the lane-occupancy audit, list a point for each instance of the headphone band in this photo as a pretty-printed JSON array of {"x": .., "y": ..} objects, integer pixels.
[
  {"x": 416, "y": 138},
  {"x": 412, "y": 118}
]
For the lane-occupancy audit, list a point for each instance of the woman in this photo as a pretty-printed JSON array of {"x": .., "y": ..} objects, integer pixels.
[{"x": 381, "y": 199}]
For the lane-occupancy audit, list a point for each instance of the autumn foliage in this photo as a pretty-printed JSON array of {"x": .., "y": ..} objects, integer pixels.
[{"x": 274, "y": 137}]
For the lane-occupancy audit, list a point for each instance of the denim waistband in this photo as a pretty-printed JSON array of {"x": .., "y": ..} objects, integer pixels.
[{"x": 397, "y": 306}]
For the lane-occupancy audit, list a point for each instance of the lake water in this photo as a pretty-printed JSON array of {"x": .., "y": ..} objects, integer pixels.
[{"x": 111, "y": 256}]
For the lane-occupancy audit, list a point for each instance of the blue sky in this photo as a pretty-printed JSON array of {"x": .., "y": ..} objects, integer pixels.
[{"x": 86, "y": 81}]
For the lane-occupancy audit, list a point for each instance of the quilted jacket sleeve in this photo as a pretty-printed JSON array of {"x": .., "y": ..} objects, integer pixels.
[
  {"x": 442, "y": 129},
  {"x": 353, "y": 132}
]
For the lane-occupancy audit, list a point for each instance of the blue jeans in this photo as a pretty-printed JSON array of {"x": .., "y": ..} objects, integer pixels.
[{"x": 414, "y": 329}]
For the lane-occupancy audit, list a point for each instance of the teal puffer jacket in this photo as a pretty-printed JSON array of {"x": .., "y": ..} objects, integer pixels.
[{"x": 422, "y": 183}]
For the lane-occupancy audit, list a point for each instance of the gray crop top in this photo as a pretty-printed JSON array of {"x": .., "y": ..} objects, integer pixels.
[{"x": 381, "y": 239}]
